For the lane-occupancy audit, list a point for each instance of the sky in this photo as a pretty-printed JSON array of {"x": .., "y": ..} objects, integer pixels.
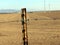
[{"x": 30, "y": 4}]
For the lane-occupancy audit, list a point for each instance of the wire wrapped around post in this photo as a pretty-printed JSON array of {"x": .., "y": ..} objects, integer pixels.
[{"x": 24, "y": 26}]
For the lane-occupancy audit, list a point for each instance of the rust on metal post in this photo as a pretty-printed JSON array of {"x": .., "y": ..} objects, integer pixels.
[{"x": 24, "y": 25}]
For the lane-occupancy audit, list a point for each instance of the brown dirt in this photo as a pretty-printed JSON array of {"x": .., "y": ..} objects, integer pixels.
[{"x": 43, "y": 28}]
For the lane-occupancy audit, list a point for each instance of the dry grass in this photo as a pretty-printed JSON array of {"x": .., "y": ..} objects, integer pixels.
[{"x": 43, "y": 31}]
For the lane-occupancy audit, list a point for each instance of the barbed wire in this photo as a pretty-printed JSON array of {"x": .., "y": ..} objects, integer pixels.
[
  {"x": 9, "y": 21},
  {"x": 26, "y": 20}
]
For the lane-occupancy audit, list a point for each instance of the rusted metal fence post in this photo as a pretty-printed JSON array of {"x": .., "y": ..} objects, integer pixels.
[{"x": 24, "y": 26}]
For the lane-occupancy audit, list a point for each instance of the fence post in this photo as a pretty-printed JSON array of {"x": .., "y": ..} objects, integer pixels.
[{"x": 24, "y": 26}]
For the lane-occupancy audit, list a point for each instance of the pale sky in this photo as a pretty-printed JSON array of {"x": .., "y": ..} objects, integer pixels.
[{"x": 30, "y": 4}]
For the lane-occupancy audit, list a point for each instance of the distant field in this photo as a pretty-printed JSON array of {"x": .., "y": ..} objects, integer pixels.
[{"x": 43, "y": 28}]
